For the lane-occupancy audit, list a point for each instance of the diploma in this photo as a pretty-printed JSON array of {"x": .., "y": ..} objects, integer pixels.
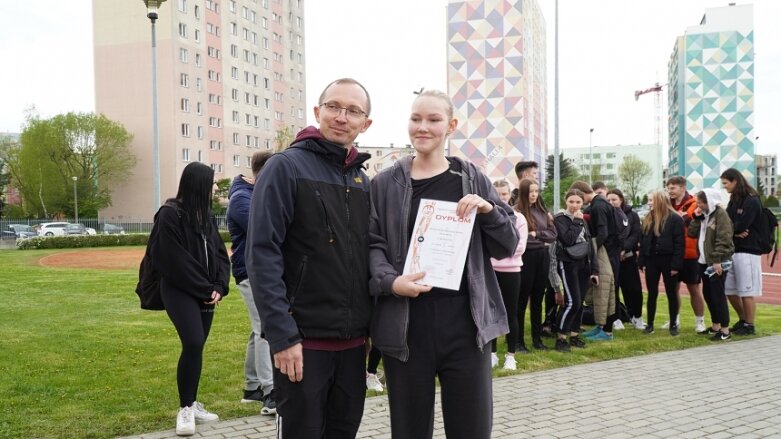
[{"x": 440, "y": 242}]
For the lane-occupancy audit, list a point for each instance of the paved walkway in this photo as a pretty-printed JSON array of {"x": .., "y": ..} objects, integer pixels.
[{"x": 729, "y": 390}]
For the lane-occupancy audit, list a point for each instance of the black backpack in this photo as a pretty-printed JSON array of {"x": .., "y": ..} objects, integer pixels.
[
  {"x": 148, "y": 287},
  {"x": 768, "y": 229}
]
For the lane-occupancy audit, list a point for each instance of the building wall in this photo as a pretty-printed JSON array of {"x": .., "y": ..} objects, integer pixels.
[
  {"x": 230, "y": 74},
  {"x": 497, "y": 79},
  {"x": 383, "y": 157},
  {"x": 767, "y": 173},
  {"x": 609, "y": 158},
  {"x": 711, "y": 97}
]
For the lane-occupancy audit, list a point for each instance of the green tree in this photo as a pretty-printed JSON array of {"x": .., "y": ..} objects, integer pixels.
[
  {"x": 633, "y": 173},
  {"x": 771, "y": 201},
  {"x": 92, "y": 148},
  {"x": 220, "y": 196},
  {"x": 566, "y": 168},
  {"x": 283, "y": 138}
]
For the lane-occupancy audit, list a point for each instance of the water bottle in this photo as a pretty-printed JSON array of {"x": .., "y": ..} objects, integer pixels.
[{"x": 725, "y": 266}]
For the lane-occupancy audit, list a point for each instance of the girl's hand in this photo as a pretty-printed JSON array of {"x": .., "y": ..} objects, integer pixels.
[
  {"x": 717, "y": 269},
  {"x": 559, "y": 298},
  {"x": 470, "y": 202},
  {"x": 595, "y": 280},
  {"x": 405, "y": 285},
  {"x": 215, "y": 299},
  {"x": 578, "y": 214}
]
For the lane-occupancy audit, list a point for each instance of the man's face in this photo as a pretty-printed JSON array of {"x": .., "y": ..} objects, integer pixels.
[
  {"x": 341, "y": 127},
  {"x": 601, "y": 191},
  {"x": 675, "y": 191},
  {"x": 530, "y": 173}
]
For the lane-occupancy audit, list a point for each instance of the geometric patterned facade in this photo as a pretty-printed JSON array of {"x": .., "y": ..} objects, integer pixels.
[
  {"x": 496, "y": 69},
  {"x": 711, "y": 99}
]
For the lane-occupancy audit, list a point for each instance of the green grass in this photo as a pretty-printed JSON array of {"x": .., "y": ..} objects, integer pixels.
[{"x": 79, "y": 358}]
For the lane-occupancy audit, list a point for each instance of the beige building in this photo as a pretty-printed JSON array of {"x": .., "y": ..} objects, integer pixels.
[
  {"x": 383, "y": 157},
  {"x": 230, "y": 75},
  {"x": 766, "y": 174}
]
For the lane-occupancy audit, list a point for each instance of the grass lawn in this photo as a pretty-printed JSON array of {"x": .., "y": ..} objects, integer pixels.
[{"x": 79, "y": 358}]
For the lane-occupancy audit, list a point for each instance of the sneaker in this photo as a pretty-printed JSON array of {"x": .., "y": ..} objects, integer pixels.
[
  {"x": 649, "y": 329},
  {"x": 592, "y": 331},
  {"x": 600, "y": 336},
  {"x": 667, "y": 323},
  {"x": 577, "y": 342},
  {"x": 203, "y": 415},
  {"x": 539, "y": 345},
  {"x": 269, "y": 404},
  {"x": 638, "y": 322},
  {"x": 674, "y": 330},
  {"x": 252, "y": 396},
  {"x": 373, "y": 382},
  {"x": 708, "y": 331},
  {"x": 185, "y": 422},
  {"x": 739, "y": 324},
  {"x": 746, "y": 329},
  {"x": 547, "y": 332},
  {"x": 699, "y": 327},
  {"x": 521, "y": 348},
  {"x": 720, "y": 336},
  {"x": 494, "y": 362},
  {"x": 562, "y": 345},
  {"x": 509, "y": 362},
  {"x": 618, "y": 325}
]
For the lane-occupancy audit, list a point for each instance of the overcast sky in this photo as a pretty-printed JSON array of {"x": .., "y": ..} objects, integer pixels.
[{"x": 607, "y": 50}]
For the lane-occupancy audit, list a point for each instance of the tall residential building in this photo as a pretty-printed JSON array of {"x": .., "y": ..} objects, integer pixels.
[
  {"x": 711, "y": 97},
  {"x": 230, "y": 76},
  {"x": 496, "y": 69},
  {"x": 767, "y": 174}
]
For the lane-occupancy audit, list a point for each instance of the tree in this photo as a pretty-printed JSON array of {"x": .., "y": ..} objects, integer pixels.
[
  {"x": 92, "y": 148},
  {"x": 283, "y": 138},
  {"x": 771, "y": 201},
  {"x": 220, "y": 195},
  {"x": 566, "y": 168},
  {"x": 633, "y": 173}
]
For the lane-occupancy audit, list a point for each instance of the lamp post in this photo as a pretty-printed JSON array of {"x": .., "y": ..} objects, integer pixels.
[
  {"x": 151, "y": 13},
  {"x": 590, "y": 157},
  {"x": 75, "y": 198},
  {"x": 556, "y": 160}
]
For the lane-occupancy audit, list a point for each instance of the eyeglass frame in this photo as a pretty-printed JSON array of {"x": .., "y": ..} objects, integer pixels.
[{"x": 349, "y": 112}]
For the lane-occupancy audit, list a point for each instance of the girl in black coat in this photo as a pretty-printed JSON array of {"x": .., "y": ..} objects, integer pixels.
[
  {"x": 194, "y": 270},
  {"x": 628, "y": 278},
  {"x": 661, "y": 254}
]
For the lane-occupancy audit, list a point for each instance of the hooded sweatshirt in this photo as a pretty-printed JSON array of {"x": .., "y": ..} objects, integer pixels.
[
  {"x": 239, "y": 198},
  {"x": 715, "y": 239}
]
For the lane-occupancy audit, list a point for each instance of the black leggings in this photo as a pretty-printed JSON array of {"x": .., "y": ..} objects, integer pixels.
[
  {"x": 631, "y": 287},
  {"x": 534, "y": 280},
  {"x": 575, "y": 278},
  {"x": 713, "y": 291},
  {"x": 510, "y": 285},
  {"x": 374, "y": 360},
  {"x": 192, "y": 320},
  {"x": 655, "y": 267}
]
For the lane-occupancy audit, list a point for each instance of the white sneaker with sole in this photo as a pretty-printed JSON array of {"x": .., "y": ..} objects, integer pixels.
[
  {"x": 639, "y": 323},
  {"x": 185, "y": 422},
  {"x": 509, "y": 362},
  {"x": 699, "y": 327},
  {"x": 373, "y": 382},
  {"x": 618, "y": 325},
  {"x": 203, "y": 415},
  {"x": 677, "y": 323},
  {"x": 494, "y": 360}
]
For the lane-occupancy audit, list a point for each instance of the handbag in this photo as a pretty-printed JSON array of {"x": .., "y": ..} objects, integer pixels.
[{"x": 578, "y": 251}]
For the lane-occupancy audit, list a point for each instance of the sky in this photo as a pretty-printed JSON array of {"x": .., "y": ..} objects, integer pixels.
[{"x": 607, "y": 50}]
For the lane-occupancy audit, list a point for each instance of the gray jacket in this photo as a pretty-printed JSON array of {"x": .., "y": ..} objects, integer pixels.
[{"x": 494, "y": 235}]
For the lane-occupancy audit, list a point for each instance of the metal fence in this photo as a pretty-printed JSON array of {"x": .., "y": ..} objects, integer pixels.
[{"x": 97, "y": 223}]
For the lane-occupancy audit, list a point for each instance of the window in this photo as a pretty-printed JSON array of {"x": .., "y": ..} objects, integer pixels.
[
  {"x": 214, "y": 75},
  {"x": 247, "y": 140},
  {"x": 266, "y": 123},
  {"x": 247, "y": 98},
  {"x": 234, "y": 28},
  {"x": 198, "y": 59},
  {"x": 182, "y": 30},
  {"x": 300, "y": 113},
  {"x": 186, "y": 130},
  {"x": 234, "y": 51},
  {"x": 197, "y": 35},
  {"x": 183, "y": 55},
  {"x": 198, "y": 84},
  {"x": 232, "y": 6},
  {"x": 186, "y": 154},
  {"x": 256, "y": 121},
  {"x": 265, "y": 43},
  {"x": 236, "y": 160},
  {"x": 183, "y": 5},
  {"x": 255, "y": 100},
  {"x": 256, "y": 141},
  {"x": 235, "y": 94},
  {"x": 246, "y": 55},
  {"x": 267, "y": 103},
  {"x": 268, "y": 143},
  {"x": 200, "y": 132},
  {"x": 264, "y": 22},
  {"x": 299, "y": 22},
  {"x": 184, "y": 80},
  {"x": 235, "y": 138},
  {"x": 265, "y": 63},
  {"x": 213, "y": 52},
  {"x": 200, "y": 156},
  {"x": 197, "y": 12},
  {"x": 215, "y": 122},
  {"x": 185, "y": 105},
  {"x": 235, "y": 116},
  {"x": 235, "y": 72},
  {"x": 199, "y": 108},
  {"x": 249, "y": 162},
  {"x": 215, "y": 145},
  {"x": 278, "y": 115},
  {"x": 248, "y": 118}
]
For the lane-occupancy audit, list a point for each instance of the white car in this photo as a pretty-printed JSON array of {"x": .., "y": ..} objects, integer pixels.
[{"x": 51, "y": 229}]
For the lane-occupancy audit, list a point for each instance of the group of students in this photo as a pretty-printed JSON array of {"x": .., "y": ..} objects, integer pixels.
[{"x": 598, "y": 246}]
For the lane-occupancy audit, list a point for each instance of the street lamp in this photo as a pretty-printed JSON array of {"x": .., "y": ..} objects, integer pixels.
[
  {"x": 590, "y": 157},
  {"x": 152, "y": 7},
  {"x": 75, "y": 198}
]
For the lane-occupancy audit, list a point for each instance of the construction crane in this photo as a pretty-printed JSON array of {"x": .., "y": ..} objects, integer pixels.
[{"x": 657, "y": 91}]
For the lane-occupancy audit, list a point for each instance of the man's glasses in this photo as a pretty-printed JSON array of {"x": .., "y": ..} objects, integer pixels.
[{"x": 353, "y": 113}]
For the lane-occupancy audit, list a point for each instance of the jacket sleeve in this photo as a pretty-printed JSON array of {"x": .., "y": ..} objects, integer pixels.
[
  {"x": 173, "y": 260},
  {"x": 381, "y": 269},
  {"x": 238, "y": 210},
  {"x": 271, "y": 213},
  {"x": 645, "y": 242},
  {"x": 498, "y": 226},
  {"x": 635, "y": 232},
  {"x": 751, "y": 208},
  {"x": 568, "y": 230},
  {"x": 553, "y": 274},
  {"x": 693, "y": 231},
  {"x": 676, "y": 225},
  {"x": 599, "y": 215},
  {"x": 222, "y": 282},
  {"x": 547, "y": 234},
  {"x": 723, "y": 245},
  {"x": 523, "y": 233}
]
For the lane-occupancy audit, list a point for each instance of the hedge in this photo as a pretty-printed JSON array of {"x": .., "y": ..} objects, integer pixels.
[{"x": 79, "y": 241}]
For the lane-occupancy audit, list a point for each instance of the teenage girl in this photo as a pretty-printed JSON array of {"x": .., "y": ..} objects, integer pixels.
[{"x": 628, "y": 278}]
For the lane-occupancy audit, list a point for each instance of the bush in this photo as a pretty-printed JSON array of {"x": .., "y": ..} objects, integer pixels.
[{"x": 44, "y": 242}]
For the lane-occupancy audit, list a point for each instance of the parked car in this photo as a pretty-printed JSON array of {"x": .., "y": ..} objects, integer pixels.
[
  {"x": 17, "y": 231},
  {"x": 113, "y": 229},
  {"x": 75, "y": 229},
  {"x": 51, "y": 229}
]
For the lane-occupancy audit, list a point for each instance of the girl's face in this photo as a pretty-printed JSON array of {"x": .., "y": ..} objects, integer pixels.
[
  {"x": 614, "y": 200},
  {"x": 574, "y": 203},
  {"x": 504, "y": 193},
  {"x": 429, "y": 124},
  {"x": 650, "y": 203},
  {"x": 703, "y": 205},
  {"x": 729, "y": 186},
  {"x": 534, "y": 193}
]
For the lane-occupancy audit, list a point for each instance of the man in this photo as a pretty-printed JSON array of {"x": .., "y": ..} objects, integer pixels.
[
  {"x": 604, "y": 298},
  {"x": 307, "y": 253},
  {"x": 523, "y": 169},
  {"x": 613, "y": 248},
  {"x": 685, "y": 204},
  {"x": 258, "y": 379}
]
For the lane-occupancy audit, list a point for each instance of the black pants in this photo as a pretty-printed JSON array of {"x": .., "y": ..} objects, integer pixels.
[
  {"x": 192, "y": 320},
  {"x": 575, "y": 277},
  {"x": 510, "y": 285},
  {"x": 328, "y": 402},
  {"x": 655, "y": 267},
  {"x": 713, "y": 291},
  {"x": 534, "y": 280},
  {"x": 631, "y": 287},
  {"x": 441, "y": 341},
  {"x": 374, "y": 360}
]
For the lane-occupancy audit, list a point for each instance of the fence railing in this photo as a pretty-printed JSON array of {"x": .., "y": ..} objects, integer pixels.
[{"x": 97, "y": 223}]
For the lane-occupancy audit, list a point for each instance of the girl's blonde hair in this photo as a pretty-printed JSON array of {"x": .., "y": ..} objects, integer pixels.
[
  {"x": 441, "y": 95},
  {"x": 662, "y": 210}
]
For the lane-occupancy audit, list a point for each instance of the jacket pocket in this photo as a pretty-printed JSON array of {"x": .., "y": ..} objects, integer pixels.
[
  {"x": 328, "y": 228},
  {"x": 299, "y": 282}
]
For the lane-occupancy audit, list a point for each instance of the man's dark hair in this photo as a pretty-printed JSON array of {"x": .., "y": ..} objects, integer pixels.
[
  {"x": 259, "y": 160},
  {"x": 582, "y": 186},
  {"x": 599, "y": 185},
  {"x": 524, "y": 165},
  {"x": 676, "y": 180},
  {"x": 347, "y": 81}
]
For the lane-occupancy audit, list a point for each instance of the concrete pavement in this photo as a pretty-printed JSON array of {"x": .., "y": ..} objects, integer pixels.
[{"x": 726, "y": 390}]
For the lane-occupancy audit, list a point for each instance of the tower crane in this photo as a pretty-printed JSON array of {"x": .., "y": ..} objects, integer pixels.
[{"x": 656, "y": 89}]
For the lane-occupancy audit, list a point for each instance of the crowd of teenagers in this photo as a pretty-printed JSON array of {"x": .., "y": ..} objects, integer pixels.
[{"x": 318, "y": 253}]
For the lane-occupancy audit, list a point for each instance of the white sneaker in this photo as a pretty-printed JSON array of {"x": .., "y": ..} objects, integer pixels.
[
  {"x": 677, "y": 323},
  {"x": 373, "y": 382},
  {"x": 639, "y": 323},
  {"x": 203, "y": 415},
  {"x": 699, "y": 327},
  {"x": 185, "y": 422},
  {"x": 494, "y": 360},
  {"x": 618, "y": 325},
  {"x": 509, "y": 362}
]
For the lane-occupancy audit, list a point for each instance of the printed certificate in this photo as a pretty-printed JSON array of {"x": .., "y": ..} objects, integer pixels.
[{"x": 440, "y": 241}]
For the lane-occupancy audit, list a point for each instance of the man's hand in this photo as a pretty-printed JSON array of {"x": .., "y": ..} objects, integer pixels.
[
  {"x": 559, "y": 297},
  {"x": 405, "y": 285},
  {"x": 291, "y": 362}
]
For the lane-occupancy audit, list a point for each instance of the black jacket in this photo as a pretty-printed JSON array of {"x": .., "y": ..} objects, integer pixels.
[
  {"x": 632, "y": 242},
  {"x": 239, "y": 198},
  {"x": 568, "y": 230},
  {"x": 745, "y": 216},
  {"x": 187, "y": 260},
  {"x": 669, "y": 244},
  {"x": 600, "y": 213},
  {"x": 307, "y": 245}
]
